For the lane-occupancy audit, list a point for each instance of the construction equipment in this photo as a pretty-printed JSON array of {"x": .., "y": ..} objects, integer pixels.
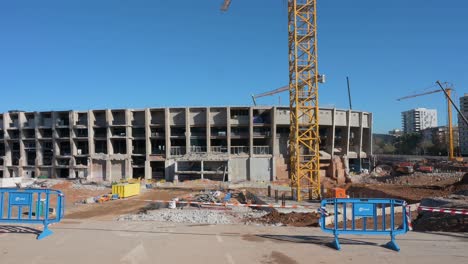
[
  {"x": 279, "y": 90},
  {"x": 448, "y": 89},
  {"x": 303, "y": 96}
]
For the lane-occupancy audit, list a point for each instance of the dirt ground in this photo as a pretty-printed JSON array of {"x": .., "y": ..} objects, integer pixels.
[
  {"x": 290, "y": 219},
  {"x": 111, "y": 209}
]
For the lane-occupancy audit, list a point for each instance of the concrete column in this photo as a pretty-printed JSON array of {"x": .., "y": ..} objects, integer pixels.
[
  {"x": 251, "y": 131},
  {"x": 22, "y": 159},
  {"x": 54, "y": 145},
  {"x": 167, "y": 129},
  {"x": 370, "y": 124},
  {"x": 91, "y": 146},
  {"x": 38, "y": 160},
  {"x": 360, "y": 139},
  {"x": 187, "y": 130},
  {"x": 7, "y": 160},
  {"x": 71, "y": 163},
  {"x": 148, "y": 174},
  {"x": 129, "y": 144},
  {"x": 333, "y": 131},
  {"x": 110, "y": 149},
  {"x": 274, "y": 145},
  {"x": 202, "y": 169},
  {"x": 208, "y": 130},
  {"x": 348, "y": 131},
  {"x": 228, "y": 129}
]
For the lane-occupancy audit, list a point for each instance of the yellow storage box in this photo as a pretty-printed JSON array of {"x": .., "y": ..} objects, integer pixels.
[{"x": 124, "y": 190}]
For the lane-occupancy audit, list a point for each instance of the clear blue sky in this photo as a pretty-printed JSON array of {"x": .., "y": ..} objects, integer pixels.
[{"x": 85, "y": 54}]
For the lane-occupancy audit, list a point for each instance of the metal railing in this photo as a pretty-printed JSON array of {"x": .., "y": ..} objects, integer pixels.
[
  {"x": 219, "y": 149},
  {"x": 197, "y": 149},
  {"x": 238, "y": 150},
  {"x": 261, "y": 150},
  {"x": 178, "y": 151}
]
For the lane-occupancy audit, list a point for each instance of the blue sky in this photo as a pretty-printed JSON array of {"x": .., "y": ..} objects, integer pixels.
[{"x": 73, "y": 54}]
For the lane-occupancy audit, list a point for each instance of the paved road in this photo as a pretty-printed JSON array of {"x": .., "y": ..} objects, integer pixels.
[{"x": 92, "y": 242}]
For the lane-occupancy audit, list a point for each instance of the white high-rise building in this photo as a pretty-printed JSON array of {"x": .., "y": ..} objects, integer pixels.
[
  {"x": 462, "y": 127},
  {"x": 415, "y": 120}
]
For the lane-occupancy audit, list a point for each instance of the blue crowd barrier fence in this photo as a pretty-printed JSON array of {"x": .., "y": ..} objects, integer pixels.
[
  {"x": 32, "y": 206},
  {"x": 365, "y": 217}
]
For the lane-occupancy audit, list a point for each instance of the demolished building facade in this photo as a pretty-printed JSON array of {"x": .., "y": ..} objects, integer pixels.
[{"x": 185, "y": 143}]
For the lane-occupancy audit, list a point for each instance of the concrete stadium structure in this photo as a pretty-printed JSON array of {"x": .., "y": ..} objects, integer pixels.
[{"x": 218, "y": 143}]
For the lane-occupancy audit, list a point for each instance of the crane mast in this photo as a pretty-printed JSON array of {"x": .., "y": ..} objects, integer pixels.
[{"x": 303, "y": 97}]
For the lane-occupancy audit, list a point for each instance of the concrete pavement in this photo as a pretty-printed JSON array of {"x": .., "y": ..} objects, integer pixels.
[{"x": 90, "y": 241}]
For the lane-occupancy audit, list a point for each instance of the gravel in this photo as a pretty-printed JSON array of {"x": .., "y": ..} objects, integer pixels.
[{"x": 196, "y": 216}]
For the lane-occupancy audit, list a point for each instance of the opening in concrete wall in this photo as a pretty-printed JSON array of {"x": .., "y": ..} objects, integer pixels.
[
  {"x": 198, "y": 145},
  {"x": 118, "y": 117},
  {"x": 138, "y": 132},
  {"x": 261, "y": 146},
  {"x": 1, "y": 173},
  {"x": 63, "y": 161},
  {"x": 138, "y": 173},
  {"x": 13, "y": 133},
  {"x": 239, "y": 116},
  {"x": 29, "y": 133},
  {"x": 82, "y": 119},
  {"x": 100, "y": 146},
  {"x": 100, "y": 118},
  {"x": 14, "y": 123},
  {"x": 157, "y": 117},
  {"x": 178, "y": 147},
  {"x": 157, "y": 132},
  {"x": 2, "y": 134},
  {"x": 197, "y": 116},
  {"x": 139, "y": 146},
  {"x": 138, "y": 118},
  {"x": 2, "y": 149},
  {"x": 28, "y": 120},
  {"x": 218, "y": 116},
  {"x": 262, "y": 116},
  {"x": 239, "y": 146},
  {"x": 63, "y": 132},
  {"x": 118, "y": 131},
  {"x": 47, "y": 152},
  {"x": 81, "y": 132},
  {"x": 45, "y": 133},
  {"x": 64, "y": 148},
  {"x": 62, "y": 173},
  {"x": 82, "y": 147},
  {"x": 216, "y": 170},
  {"x": 138, "y": 161},
  {"x": 340, "y": 140},
  {"x": 100, "y": 132},
  {"x": 177, "y": 116},
  {"x": 158, "y": 147},
  {"x": 15, "y": 153},
  {"x": 81, "y": 161},
  {"x": 219, "y": 145},
  {"x": 158, "y": 170},
  {"x": 45, "y": 119},
  {"x": 63, "y": 119},
  {"x": 31, "y": 157},
  {"x": 119, "y": 146}
]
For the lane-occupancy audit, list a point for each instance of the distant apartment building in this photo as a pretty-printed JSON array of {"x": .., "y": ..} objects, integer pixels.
[
  {"x": 418, "y": 119},
  {"x": 463, "y": 128},
  {"x": 440, "y": 135}
]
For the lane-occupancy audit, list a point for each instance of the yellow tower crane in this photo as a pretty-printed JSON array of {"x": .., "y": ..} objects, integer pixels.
[
  {"x": 303, "y": 96},
  {"x": 448, "y": 94}
]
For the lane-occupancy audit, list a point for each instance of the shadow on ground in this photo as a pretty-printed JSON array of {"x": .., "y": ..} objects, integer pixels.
[{"x": 10, "y": 229}]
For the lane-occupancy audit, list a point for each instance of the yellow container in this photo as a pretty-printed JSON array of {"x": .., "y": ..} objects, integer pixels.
[{"x": 125, "y": 190}]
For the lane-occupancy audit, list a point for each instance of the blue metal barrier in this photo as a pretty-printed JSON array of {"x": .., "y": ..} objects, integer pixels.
[
  {"x": 32, "y": 206},
  {"x": 369, "y": 214}
]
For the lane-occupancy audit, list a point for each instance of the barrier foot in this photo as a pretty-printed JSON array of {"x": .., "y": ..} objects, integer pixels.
[
  {"x": 45, "y": 233},
  {"x": 393, "y": 245},
  {"x": 336, "y": 243}
]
